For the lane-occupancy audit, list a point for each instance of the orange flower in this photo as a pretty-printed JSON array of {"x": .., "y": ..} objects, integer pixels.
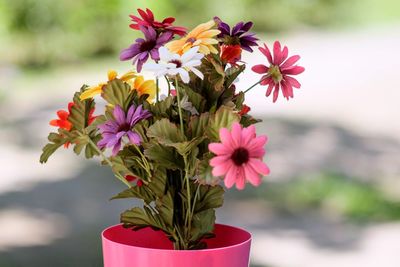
[
  {"x": 231, "y": 53},
  {"x": 203, "y": 36}
]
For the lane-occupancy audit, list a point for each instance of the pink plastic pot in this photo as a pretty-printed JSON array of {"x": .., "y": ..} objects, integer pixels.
[{"x": 148, "y": 248}]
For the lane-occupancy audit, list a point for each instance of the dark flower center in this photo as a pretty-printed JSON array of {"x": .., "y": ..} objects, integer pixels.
[
  {"x": 240, "y": 156},
  {"x": 178, "y": 63},
  {"x": 124, "y": 127},
  {"x": 191, "y": 40},
  {"x": 147, "y": 46}
]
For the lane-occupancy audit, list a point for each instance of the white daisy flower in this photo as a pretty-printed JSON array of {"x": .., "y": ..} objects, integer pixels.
[{"x": 173, "y": 64}]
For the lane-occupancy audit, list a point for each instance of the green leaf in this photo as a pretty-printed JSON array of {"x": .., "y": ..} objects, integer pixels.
[
  {"x": 198, "y": 125},
  {"x": 79, "y": 115},
  {"x": 165, "y": 207},
  {"x": 117, "y": 92},
  {"x": 214, "y": 71},
  {"x": 210, "y": 197},
  {"x": 119, "y": 166},
  {"x": 204, "y": 172},
  {"x": 165, "y": 132},
  {"x": 184, "y": 148},
  {"x": 232, "y": 73},
  {"x": 239, "y": 99},
  {"x": 137, "y": 218},
  {"x": 202, "y": 224},
  {"x": 224, "y": 117},
  {"x": 161, "y": 109},
  {"x": 196, "y": 99},
  {"x": 93, "y": 126},
  {"x": 148, "y": 192},
  {"x": 56, "y": 141},
  {"x": 247, "y": 120},
  {"x": 141, "y": 129},
  {"x": 163, "y": 156}
]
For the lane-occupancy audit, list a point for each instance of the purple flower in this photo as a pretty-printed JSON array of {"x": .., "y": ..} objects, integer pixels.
[
  {"x": 238, "y": 35},
  {"x": 142, "y": 48},
  {"x": 114, "y": 130}
]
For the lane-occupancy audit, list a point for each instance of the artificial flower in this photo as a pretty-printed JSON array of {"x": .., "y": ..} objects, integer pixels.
[
  {"x": 239, "y": 156},
  {"x": 239, "y": 34},
  {"x": 144, "y": 87},
  {"x": 131, "y": 178},
  {"x": 62, "y": 121},
  {"x": 231, "y": 54},
  {"x": 174, "y": 64},
  {"x": 143, "y": 48},
  {"x": 245, "y": 109},
  {"x": 121, "y": 126},
  {"x": 277, "y": 74},
  {"x": 202, "y": 36},
  {"x": 112, "y": 74},
  {"x": 147, "y": 19}
]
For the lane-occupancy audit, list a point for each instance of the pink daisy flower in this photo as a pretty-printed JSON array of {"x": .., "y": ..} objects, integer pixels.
[
  {"x": 239, "y": 156},
  {"x": 277, "y": 75}
]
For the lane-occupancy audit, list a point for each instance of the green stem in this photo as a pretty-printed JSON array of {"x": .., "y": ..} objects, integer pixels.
[
  {"x": 179, "y": 105},
  {"x": 117, "y": 174},
  {"x": 157, "y": 89},
  {"x": 254, "y": 85},
  {"x": 145, "y": 162},
  {"x": 188, "y": 219},
  {"x": 169, "y": 85},
  {"x": 195, "y": 199}
]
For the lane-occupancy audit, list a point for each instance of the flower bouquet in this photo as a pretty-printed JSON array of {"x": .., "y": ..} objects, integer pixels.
[{"x": 173, "y": 143}]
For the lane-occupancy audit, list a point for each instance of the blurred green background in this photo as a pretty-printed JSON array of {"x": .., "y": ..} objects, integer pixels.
[
  {"x": 333, "y": 198},
  {"x": 46, "y": 32}
]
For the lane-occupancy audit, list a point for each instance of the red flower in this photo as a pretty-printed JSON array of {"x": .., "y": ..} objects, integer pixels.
[
  {"x": 231, "y": 53},
  {"x": 147, "y": 19},
  {"x": 245, "y": 109},
  {"x": 63, "y": 115},
  {"x": 131, "y": 178},
  {"x": 276, "y": 75}
]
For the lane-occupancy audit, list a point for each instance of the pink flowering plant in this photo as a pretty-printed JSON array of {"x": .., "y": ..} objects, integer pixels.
[{"x": 176, "y": 150}]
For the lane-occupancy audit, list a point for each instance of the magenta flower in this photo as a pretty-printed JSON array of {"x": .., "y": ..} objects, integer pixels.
[
  {"x": 239, "y": 34},
  {"x": 143, "y": 48},
  {"x": 147, "y": 19},
  {"x": 277, "y": 75},
  {"x": 238, "y": 156},
  {"x": 121, "y": 126}
]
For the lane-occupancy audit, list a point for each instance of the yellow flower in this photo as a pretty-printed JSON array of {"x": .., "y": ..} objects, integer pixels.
[
  {"x": 202, "y": 36},
  {"x": 143, "y": 86},
  {"x": 112, "y": 74}
]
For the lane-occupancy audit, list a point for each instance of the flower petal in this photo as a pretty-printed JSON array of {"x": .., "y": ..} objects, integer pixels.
[
  {"x": 236, "y": 134},
  {"x": 259, "y": 166},
  {"x": 219, "y": 149},
  {"x": 260, "y": 69},
  {"x": 217, "y": 160},
  {"x": 240, "y": 179},
  {"x": 251, "y": 175},
  {"x": 221, "y": 169},
  {"x": 293, "y": 70},
  {"x": 230, "y": 177},
  {"x": 119, "y": 115}
]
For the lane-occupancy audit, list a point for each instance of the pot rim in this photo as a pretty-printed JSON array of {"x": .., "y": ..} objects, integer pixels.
[{"x": 182, "y": 251}]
